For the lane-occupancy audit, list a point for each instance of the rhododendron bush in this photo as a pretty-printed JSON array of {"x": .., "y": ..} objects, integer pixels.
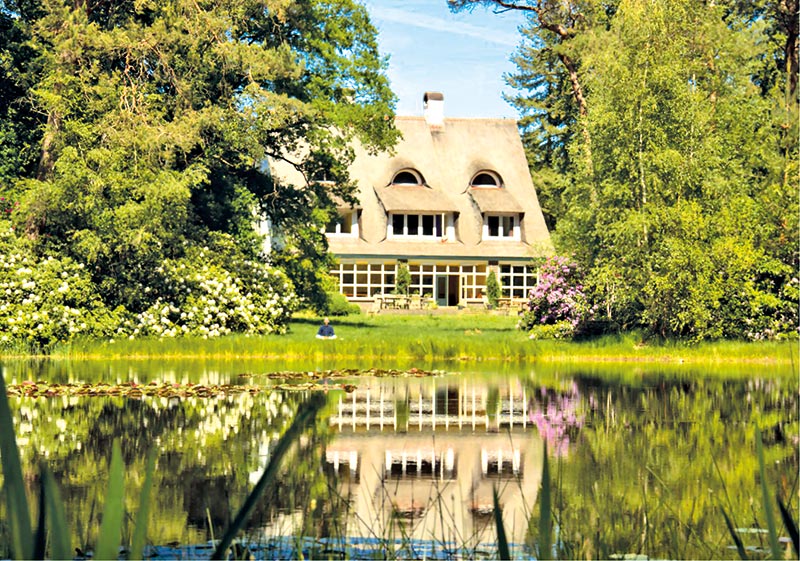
[
  {"x": 558, "y": 305},
  {"x": 208, "y": 292}
]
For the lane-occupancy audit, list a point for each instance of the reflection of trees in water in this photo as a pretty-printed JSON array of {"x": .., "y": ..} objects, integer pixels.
[
  {"x": 655, "y": 463},
  {"x": 649, "y": 463},
  {"x": 207, "y": 449}
]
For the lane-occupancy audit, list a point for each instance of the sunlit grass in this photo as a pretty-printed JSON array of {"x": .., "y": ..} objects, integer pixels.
[{"x": 426, "y": 338}]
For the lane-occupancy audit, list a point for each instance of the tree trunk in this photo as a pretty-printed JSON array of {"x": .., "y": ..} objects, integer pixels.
[
  {"x": 47, "y": 160},
  {"x": 790, "y": 10},
  {"x": 583, "y": 113}
]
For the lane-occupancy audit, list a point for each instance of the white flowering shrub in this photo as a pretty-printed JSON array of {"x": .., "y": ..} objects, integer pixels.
[
  {"x": 209, "y": 292},
  {"x": 198, "y": 295},
  {"x": 46, "y": 301}
]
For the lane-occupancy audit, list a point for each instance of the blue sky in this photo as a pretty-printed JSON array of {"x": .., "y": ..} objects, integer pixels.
[{"x": 463, "y": 55}]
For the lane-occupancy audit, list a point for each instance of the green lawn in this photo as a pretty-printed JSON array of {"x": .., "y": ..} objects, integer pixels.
[{"x": 472, "y": 337}]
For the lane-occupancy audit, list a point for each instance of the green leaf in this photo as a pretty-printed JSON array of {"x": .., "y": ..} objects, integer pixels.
[
  {"x": 545, "y": 522},
  {"x": 110, "y": 530},
  {"x": 773, "y": 534},
  {"x": 735, "y": 535},
  {"x": 19, "y": 520},
  {"x": 791, "y": 526},
  {"x": 40, "y": 538},
  {"x": 305, "y": 416},
  {"x": 142, "y": 516},
  {"x": 502, "y": 541},
  {"x": 56, "y": 517}
]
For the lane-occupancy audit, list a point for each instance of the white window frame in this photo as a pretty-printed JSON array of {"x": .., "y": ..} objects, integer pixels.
[
  {"x": 344, "y": 215},
  {"x": 516, "y": 280},
  {"x": 515, "y": 226},
  {"x": 444, "y": 226}
]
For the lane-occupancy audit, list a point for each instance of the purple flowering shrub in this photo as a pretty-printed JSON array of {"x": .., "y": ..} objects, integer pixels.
[{"x": 557, "y": 306}]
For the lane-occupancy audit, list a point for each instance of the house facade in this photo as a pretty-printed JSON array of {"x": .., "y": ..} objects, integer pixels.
[{"x": 454, "y": 201}]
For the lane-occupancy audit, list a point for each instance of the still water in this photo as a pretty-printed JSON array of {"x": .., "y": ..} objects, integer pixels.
[{"x": 641, "y": 460}]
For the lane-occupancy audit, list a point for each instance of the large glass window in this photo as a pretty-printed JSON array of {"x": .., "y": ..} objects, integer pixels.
[
  {"x": 364, "y": 280},
  {"x": 517, "y": 280}
]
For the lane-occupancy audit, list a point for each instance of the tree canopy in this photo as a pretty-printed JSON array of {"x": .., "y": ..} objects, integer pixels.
[
  {"x": 138, "y": 132},
  {"x": 662, "y": 136}
]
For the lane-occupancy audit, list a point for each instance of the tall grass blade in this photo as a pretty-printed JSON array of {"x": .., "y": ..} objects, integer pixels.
[
  {"x": 111, "y": 528},
  {"x": 143, "y": 515},
  {"x": 19, "y": 518},
  {"x": 56, "y": 517},
  {"x": 773, "y": 534},
  {"x": 545, "y": 512},
  {"x": 502, "y": 541},
  {"x": 791, "y": 526},
  {"x": 305, "y": 416},
  {"x": 40, "y": 537},
  {"x": 734, "y": 534}
]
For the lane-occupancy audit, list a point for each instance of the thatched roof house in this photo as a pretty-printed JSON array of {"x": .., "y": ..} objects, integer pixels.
[{"x": 455, "y": 201}]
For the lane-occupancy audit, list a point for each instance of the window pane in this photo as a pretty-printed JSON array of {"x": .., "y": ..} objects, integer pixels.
[
  {"x": 427, "y": 225},
  {"x": 413, "y": 224},
  {"x": 405, "y": 178},
  {"x": 397, "y": 224},
  {"x": 347, "y": 223},
  {"x": 508, "y": 226},
  {"x": 494, "y": 225}
]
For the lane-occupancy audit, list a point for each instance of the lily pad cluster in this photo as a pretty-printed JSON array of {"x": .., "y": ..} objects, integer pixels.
[{"x": 290, "y": 381}]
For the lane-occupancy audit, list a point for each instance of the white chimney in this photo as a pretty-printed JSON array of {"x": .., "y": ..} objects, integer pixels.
[{"x": 433, "y": 109}]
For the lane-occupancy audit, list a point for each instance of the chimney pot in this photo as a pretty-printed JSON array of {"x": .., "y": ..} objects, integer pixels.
[{"x": 433, "y": 109}]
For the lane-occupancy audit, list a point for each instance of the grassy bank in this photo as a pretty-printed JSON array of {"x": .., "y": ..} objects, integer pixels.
[{"x": 436, "y": 337}]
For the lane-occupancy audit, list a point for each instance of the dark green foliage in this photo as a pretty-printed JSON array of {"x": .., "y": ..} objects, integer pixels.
[
  {"x": 502, "y": 541},
  {"x": 19, "y": 521},
  {"x": 135, "y": 135},
  {"x": 338, "y": 305},
  {"x": 403, "y": 279},
  {"x": 791, "y": 525},
  {"x": 492, "y": 289},
  {"x": 663, "y": 142}
]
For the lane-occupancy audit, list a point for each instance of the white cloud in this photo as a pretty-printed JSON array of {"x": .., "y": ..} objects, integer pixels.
[{"x": 441, "y": 25}]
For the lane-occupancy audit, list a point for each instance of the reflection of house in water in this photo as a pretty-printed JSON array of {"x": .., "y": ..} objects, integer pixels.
[{"x": 428, "y": 454}]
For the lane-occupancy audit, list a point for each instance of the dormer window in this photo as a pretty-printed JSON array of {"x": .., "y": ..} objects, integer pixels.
[
  {"x": 486, "y": 179},
  {"x": 345, "y": 223},
  {"x": 501, "y": 226},
  {"x": 407, "y": 178},
  {"x": 422, "y": 226}
]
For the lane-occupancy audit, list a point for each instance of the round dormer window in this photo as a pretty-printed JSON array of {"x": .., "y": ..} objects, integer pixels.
[
  {"x": 407, "y": 177},
  {"x": 486, "y": 179}
]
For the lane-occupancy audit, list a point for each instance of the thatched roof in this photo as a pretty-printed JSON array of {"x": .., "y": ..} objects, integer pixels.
[
  {"x": 448, "y": 157},
  {"x": 493, "y": 199},
  {"x": 414, "y": 198},
  {"x": 341, "y": 204}
]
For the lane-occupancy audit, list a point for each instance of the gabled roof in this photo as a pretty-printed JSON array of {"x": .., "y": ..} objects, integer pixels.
[
  {"x": 414, "y": 198},
  {"x": 495, "y": 199}
]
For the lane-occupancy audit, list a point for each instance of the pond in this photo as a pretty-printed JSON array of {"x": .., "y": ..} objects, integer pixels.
[{"x": 404, "y": 464}]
